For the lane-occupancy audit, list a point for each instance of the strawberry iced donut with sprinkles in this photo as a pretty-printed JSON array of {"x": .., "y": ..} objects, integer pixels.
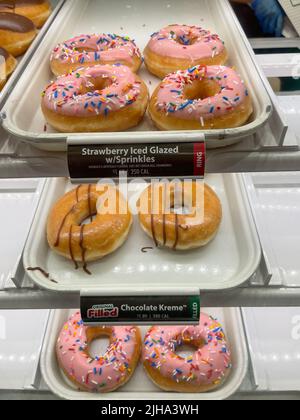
[
  {"x": 178, "y": 47},
  {"x": 201, "y": 98},
  {"x": 97, "y": 374},
  {"x": 203, "y": 371},
  {"x": 91, "y": 50},
  {"x": 103, "y": 98}
]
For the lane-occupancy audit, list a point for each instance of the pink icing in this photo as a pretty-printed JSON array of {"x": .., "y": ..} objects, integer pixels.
[
  {"x": 97, "y": 48},
  {"x": 186, "y": 42},
  {"x": 208, "y": 365},
  {"x": 172, "y": 101},
  {"x": 101, "y": 374},
  {"x": 65, "y": 96}
]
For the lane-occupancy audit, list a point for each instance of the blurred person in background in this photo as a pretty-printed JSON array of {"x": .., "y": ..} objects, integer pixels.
[{"x": 260, "y": 18}]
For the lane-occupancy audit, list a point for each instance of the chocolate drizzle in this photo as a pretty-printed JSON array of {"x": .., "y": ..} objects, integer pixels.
[
  {"x": 153, "y": 230},
  {"x": 56, "y": 244},
  {"x": 83, "y": 251},
  {"x": 176, "y": 232},
  {"x": 71, "y": 248},
  {"x": 44, "y": 273},
  {"x": 41, "y": 270},
  {"x": 146, "y": 249},
  {"x": 15, "y": 23},
  {"x": 81, "y": 239},
  {"x": 164, "y": 229}
]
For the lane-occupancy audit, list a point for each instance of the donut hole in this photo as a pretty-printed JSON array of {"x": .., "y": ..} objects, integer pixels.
[
  {"x": 187, "y": 347},
  {"x": 186, "y": 40},
  {"x": 98, "y": 346},
  {"x": 96, "y": 84},
  {"x": 179, "y": 204},
  {"x": 186, "y": 350},
  {"x": 180, "y": 209},
  {"x": 202, "y": 89},
  {"x": 89, "y": 219}
]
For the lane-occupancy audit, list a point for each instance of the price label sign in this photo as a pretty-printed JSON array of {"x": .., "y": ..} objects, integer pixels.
[
  {"x": 97, "y": 161},
  {"x": 140, "y": 310}
]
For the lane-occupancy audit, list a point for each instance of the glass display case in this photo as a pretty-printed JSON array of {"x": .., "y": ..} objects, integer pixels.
[{"x": 254, "y": 260}]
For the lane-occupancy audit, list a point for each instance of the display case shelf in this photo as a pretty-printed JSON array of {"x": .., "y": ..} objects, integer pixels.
[
  {"x": 22, "y": 161},
  {"x": 250, "y": 296},
  {"x": 275, "y": 148}
]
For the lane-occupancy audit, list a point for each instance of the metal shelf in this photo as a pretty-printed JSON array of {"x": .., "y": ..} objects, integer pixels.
[
  {"x": 250, "y": 297},
  {"x": 18, "y": 160},
  {"x": 257, "y": 293}
]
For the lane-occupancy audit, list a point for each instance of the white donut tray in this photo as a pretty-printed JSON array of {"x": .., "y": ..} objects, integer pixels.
[
  {"x": 274, "y": 339},
  {"x": 227, "y": 262},
  {"x": 140, "y": 387},
  {"x": 21, "y": 339},
  {"x": 137, "y": 19}
]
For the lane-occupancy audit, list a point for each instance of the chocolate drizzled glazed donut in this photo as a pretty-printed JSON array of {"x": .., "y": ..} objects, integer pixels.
[
  {"x": 16, "y": 33},
  {"x": 37, "y": 11},
  {"x": 191, "y": 224},
  {"x": 104, "y": 232}
]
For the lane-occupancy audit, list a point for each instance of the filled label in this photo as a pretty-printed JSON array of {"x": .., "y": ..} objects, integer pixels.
[{"x": 141, "y": 310}]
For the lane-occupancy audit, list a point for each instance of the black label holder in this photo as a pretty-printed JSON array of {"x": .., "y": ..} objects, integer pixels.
[
  {"x": 159, "y": 155},
  {"x": 141, "y": 307}
]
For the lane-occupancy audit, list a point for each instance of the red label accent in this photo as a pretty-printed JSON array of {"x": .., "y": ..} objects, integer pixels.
[{"x": 199, "y": 159}]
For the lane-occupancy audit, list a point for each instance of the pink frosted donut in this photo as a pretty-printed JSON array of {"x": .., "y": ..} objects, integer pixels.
[
  {"x": 201, "y": 98},
  {"x": 204, "y": 371},
  {"x": 90, "y": 50},
  {"x": 100, "y": 98},
  {"x": 178, "y": 47},
  {"x": 101, "y": 374}
]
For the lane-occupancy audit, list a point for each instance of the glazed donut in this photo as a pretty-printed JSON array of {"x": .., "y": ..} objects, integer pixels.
[
  {"x": 8, "y": 65},
  {"x": 201, "y": 98},
  {"x": 91, "y": 50},
  {"x": 36, "y": 10},
  {"x": 100, "y": 98},
  {"x": 16, "y": 33},
  {"x": 161, "y": 216},
  {"x": 204, "y": 371},
  {"x": 100, "y": 374},
  {"x": 69, "y": 237},
  {"x": 178, "y": 47}
]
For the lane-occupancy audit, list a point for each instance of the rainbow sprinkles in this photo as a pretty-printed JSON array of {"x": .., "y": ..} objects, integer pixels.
[
  {"x": 171, "y": 98},
  {"x": 89, "y": 50},
  {"x": 77, "y": 94}
]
